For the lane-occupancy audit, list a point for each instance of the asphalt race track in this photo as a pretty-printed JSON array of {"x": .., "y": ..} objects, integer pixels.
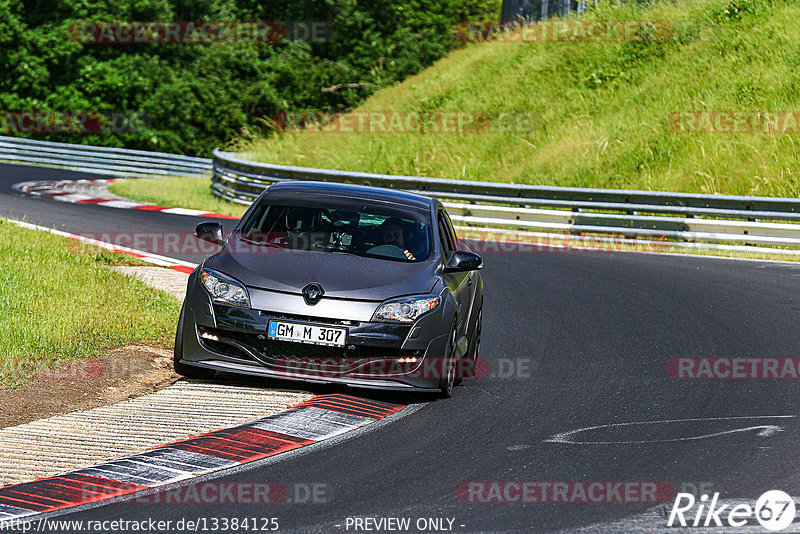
[
  {"x": 86, "y": 218},
  {"x": 575, "y": 340}
]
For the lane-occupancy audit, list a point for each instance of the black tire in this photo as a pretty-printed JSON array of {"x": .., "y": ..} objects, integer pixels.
[
  {"x": 189, "y": 371},
  {"x": 447, "y": 376},
  {"x": 467, "y": 369}
]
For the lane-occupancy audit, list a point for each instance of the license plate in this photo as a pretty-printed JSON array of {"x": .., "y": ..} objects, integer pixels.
[{"x": 307, "y": 333}]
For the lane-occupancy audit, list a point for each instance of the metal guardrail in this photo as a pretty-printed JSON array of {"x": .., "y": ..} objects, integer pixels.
[
  {"x": 631, "y": 216},
  {"x": 100, "y": 160},
  {"x": 696, "y": 220}
]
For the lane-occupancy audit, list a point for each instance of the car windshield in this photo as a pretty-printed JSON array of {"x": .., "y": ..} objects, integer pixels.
[{"x": 377, "y": 232}]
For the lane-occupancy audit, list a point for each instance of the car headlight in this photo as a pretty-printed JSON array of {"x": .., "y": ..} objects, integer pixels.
[
  {"x": 406, "y": 309},
  {"x": 224, "y": 289}
]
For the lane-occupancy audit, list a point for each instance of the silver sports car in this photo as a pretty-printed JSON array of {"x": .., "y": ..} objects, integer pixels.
[{"x": 333, "y": 283}]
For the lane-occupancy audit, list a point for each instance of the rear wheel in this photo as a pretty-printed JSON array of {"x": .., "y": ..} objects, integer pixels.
[
  {"x": 182, "y": 369},
  {"x": 447, "y": 376}
]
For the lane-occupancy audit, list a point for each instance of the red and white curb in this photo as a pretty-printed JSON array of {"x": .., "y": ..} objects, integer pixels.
[
  {"x": 155, "y": 259},
  {"x": 318, "y": 419},
  {"x": 54, "y": 190}
]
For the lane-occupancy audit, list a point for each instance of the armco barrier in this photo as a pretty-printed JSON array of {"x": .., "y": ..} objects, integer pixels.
[
  {"x": 683, "y": 219},
  {"x": 100, "y": 160},
  {"x": 644, "y": 215}
]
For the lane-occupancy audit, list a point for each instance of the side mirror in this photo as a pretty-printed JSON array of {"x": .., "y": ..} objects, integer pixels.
[
  {"x": 210, "y": 231},
  {"x": 464, "y": 261}
]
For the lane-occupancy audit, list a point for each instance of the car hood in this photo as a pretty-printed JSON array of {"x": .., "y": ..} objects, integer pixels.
[{"x": 340, "y": 275}]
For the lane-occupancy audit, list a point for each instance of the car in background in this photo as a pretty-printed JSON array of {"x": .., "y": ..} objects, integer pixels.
[{"x": 335, "y": 283}]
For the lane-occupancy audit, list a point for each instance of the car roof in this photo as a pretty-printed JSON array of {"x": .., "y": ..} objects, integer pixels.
[{"x": 307, "y": 190}]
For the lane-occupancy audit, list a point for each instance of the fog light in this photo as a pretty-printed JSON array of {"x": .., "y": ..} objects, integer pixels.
[
  {"x": 410, "y": 359},
  {"x": 206, "y": 335}
]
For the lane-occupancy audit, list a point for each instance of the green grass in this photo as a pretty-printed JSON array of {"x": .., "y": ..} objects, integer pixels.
[
  {"x": 601, "y": 108},
  {"x": 59, "y": 304},
  {"x": 179, "y": 192}
]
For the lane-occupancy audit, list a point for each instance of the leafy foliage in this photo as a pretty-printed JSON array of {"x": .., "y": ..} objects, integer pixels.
[{"x": 198, "y": 96}]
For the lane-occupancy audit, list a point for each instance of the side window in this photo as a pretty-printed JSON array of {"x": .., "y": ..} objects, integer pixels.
[
  {"x": 451, "y": 230},
  {"x": 445, "y": 236}
]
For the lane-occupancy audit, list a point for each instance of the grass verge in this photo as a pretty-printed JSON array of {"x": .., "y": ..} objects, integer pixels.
[
  {"x": 191, "y": 192},
  {"x": 60, "y": 304}
]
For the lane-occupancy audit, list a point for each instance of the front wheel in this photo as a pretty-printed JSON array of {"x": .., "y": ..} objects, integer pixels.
[
  {"x": 182, "y": 369},
  {"x": 447, "y": 375}
]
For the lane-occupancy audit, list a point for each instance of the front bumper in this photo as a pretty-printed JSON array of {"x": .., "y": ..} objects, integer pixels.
[{"x": 376, "y": 355}]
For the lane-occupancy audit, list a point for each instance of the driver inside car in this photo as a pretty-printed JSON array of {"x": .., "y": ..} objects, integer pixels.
[{"x": 391, "y": 231}]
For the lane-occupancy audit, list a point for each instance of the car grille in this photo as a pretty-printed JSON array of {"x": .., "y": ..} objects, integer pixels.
[
  {"x": 312, "y": 359},
  {"x": 221, "y": 311}
]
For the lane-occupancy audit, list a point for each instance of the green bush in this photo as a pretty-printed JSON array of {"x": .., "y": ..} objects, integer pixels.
[{"x": 198, "y": 96}]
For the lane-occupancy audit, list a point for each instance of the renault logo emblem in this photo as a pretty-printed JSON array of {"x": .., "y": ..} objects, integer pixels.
[{"x": 312, "y": 293}]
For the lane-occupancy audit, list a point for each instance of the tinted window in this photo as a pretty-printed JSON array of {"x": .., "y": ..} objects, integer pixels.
[
  {"x": 368, "y": 232},
  {"x": 445, "y": 237},
  {"x": 451, "y": 232}
]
